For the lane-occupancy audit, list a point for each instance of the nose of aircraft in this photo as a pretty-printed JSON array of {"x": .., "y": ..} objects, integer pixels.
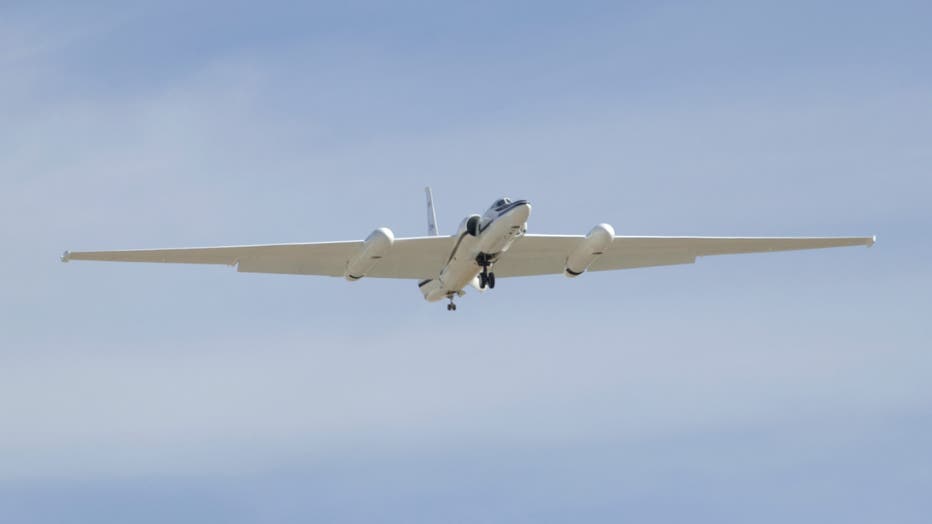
[{"x": 522, "y": 209}]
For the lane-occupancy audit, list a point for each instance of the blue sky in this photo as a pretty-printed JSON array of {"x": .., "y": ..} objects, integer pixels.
[{"x": 759, "y": 388}]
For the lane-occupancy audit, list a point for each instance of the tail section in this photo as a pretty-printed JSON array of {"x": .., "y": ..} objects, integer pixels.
[{"x": 431, "y": 214}]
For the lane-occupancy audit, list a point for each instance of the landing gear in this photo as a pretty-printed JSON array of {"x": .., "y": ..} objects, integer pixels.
[
  {"x": 486, "y": 278},
  {"x": 451, "y": 306}
]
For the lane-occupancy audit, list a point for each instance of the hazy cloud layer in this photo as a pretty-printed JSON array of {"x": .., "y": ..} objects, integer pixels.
[{"x": 765, "y": 388}]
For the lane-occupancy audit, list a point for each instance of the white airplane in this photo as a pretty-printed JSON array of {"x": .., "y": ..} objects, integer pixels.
[{"x": 495, "y": 244}]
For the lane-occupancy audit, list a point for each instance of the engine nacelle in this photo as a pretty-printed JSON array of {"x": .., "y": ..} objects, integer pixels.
[
  {"x": 376, "y": 246},
  {"x": 595, "y": 243}
]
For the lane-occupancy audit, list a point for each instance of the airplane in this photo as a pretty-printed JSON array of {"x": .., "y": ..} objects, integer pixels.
[{"x": 485, "y": 247}]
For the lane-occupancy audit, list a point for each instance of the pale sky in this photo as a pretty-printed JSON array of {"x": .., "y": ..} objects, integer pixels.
[{"x": 761, "y": 388}]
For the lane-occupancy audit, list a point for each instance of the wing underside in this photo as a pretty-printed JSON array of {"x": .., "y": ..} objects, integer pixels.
[
  {"x": 546, "y": 254},
  {"x": 424, "y": 257},
  {"x": 410, "y": 258}
]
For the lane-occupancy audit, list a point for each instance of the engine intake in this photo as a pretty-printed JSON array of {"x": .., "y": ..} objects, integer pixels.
[
  {"x": 595, "y": 243},
  {"x": 472, "y": 225}
]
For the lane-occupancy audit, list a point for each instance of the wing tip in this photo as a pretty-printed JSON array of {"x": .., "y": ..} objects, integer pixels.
[
  {"x": 871, "y": 241},
  {"x": 66, "y": 256}
]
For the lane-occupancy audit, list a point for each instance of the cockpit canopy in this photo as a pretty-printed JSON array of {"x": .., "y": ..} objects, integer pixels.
[{"x": 500, "y": 203}]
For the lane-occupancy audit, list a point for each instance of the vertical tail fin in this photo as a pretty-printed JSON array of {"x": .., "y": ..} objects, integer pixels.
[{"x": 431, "y": 214}]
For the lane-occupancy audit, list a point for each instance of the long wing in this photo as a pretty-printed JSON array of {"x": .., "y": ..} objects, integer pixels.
[
  {"x": 546, "y": 254},
  {"x": 414, "y": 258}
]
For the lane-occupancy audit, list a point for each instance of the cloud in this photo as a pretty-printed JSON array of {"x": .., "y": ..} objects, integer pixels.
[
  {"x": 760, "y": 379},
  {"x": 192, "y": 405}
]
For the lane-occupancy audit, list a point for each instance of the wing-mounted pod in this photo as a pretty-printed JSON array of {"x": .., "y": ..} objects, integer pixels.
[
  {"x": 595, "y": 243},
  {"x": 376, "y": 246}
]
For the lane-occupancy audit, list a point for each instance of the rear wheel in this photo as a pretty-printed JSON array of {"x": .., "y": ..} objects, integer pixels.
[{"x": 490, "y": 280}]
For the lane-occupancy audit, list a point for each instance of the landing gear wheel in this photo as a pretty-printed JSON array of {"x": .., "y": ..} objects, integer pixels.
[
  {"x": 490, "y": 280},
  {"x": 483, "y": 280},
  {"x": 451, "y": 306}
]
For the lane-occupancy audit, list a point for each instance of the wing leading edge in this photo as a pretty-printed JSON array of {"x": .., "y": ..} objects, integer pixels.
[
  {"x": 412, "y": 258},
  {"x": 423, "y": 257},
  {"x": 546, "y": 254}
]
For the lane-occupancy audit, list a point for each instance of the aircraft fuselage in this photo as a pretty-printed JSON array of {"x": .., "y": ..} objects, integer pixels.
[{"x": 480, "y": 242}]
